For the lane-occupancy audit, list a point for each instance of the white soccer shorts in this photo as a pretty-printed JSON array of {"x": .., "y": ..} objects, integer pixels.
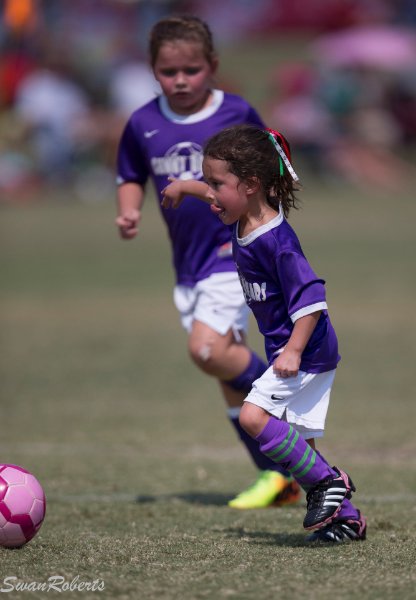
[
  {"x": 217, "y": 301},
  {"x": 302, "y": 401}
]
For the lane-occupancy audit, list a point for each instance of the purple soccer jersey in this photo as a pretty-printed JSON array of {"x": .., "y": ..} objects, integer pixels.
[
  {"x": 280, "y": 287},
  {"x": 158, "y": 143}
]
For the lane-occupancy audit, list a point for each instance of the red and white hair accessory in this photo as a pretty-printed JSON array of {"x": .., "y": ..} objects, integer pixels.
[{"x": 283, "y": 149}]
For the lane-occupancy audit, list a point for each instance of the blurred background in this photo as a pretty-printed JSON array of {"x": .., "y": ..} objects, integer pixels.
[{"x": 338, "y": 77}]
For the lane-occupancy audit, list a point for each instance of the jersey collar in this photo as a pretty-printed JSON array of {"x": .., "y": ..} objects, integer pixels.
[
  {"x": 275, "y": 222},
  {"x": 217, "y": 99}
]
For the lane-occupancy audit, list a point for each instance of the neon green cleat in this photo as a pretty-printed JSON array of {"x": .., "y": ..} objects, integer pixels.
[{"x": 270, "y": 489}]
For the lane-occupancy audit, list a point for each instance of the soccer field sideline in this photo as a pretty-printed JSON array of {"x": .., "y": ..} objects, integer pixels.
[{"x": 128, "y": 498}]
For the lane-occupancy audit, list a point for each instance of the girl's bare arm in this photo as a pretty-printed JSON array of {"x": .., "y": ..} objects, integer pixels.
[
  {"x": 130, "y": 198},
  {"x": 288, "y": 362},
  {"x": 177, "y": 189}
]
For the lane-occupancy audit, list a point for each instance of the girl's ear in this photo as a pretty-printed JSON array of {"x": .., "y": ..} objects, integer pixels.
[
  {"x": 214, "y": 62},
  {"x": 252, "y": 185}
]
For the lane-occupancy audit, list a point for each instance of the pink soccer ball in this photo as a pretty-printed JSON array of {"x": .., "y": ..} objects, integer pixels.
[{"x": 22, "y": 506}]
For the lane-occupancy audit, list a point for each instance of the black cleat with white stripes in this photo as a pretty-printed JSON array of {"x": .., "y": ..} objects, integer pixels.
[
  {"x": 338, "y": 532},
  {"x": 324, "y": 500}
]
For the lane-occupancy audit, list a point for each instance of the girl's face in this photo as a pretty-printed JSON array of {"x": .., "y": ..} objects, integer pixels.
[
  {"x": 228, "y": 195},
  {"x": 184, "y": 74}
]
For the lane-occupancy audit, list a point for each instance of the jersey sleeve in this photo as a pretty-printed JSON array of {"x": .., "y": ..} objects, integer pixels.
[
  {"x": 253, "y": 118},
  {"x": 303, "y": 291},
  {"x": 131, "y": 159}
]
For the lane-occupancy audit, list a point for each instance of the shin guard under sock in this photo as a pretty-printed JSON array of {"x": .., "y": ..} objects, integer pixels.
[
  {"x": 285, "y": 446},
  {"x": 263, "y": 462}
]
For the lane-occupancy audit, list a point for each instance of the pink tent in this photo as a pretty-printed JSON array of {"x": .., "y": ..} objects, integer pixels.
[{"x": 381, "y": 47}]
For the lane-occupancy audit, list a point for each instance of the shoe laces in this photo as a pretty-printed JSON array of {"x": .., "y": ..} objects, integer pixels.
[{"x": 316, "y": 495}]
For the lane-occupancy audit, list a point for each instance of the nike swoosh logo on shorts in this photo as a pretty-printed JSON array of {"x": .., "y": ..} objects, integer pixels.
[
  {"x": 274, "y": 397},
  {"x": 149, "y": 134}
]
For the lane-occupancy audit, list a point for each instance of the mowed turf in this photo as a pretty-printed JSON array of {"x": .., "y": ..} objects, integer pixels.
[{"x": 131, "y": 443}]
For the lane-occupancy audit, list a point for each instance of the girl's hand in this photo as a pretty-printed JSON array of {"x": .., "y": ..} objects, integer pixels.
[
  {"x": 287, "y": 363},
  {"x": 173, "y": 194},
  {"x": 128, "y": 224}
]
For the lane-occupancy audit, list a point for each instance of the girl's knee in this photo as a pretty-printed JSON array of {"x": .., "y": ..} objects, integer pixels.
[
  {"x": 206, "y": 356},
  {"x": 253, "y": 419}
]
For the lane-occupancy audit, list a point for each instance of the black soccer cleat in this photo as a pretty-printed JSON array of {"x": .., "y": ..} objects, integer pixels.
[
  {"x": 338, "y": 532},
  {"x": 324, "y": 499}
]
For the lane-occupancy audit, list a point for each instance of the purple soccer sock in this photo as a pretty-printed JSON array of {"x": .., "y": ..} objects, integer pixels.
[
  {"x": 285, "y": 446},
  {"x": 348, "y": 511},
  {"x": 254, "y": 370},
  {"x": 242, "y": 383},
  {"x": 263, "y": 462}
]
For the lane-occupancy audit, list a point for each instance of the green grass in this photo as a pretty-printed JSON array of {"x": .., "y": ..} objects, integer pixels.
[{"x": 100, "y": 401}]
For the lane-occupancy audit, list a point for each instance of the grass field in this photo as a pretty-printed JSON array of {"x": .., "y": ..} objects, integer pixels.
[
  {"x": 131, "y": 443},
  {"x": 100, "y": 401}
]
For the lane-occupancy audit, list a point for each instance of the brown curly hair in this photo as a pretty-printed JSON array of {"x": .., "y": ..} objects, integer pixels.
[{"x": 250, "y": 154}]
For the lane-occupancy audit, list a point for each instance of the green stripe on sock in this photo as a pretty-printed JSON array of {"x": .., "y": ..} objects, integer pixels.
[
  {"x": 280, "y": 457},
  {"x": 303, "y": 459},
  {"x": 282, "y": 445},
  {"x": 308, "y": 467}
]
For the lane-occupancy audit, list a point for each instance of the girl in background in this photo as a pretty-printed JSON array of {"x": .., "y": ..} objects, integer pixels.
[{"x": 163, "y": 141}]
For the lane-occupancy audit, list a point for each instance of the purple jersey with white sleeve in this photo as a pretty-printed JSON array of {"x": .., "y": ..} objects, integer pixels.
[
  {"x": 158, "y": 143},
  {"x": 280, "y": 287}
]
